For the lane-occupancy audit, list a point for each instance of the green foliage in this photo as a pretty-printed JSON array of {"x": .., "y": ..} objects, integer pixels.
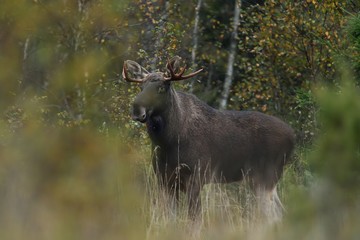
[
  {"x": 353, "y": 31},
  {"x": 57, "y": 182},
  {"x": 305, "y": 111},
  {"x": 70, "y": 156},
  {"x": 292, "y": 47},
  {"x": 329, "y": 208},
  {"x": 72, "y": 54},
  {"x": 337, "y": 156},
  {"x": 69, "y": 56}
]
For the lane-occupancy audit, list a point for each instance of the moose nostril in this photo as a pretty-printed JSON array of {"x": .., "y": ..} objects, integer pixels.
[
  {"x": 140, "y": 118},
  {"x": 139, "y": 114}
]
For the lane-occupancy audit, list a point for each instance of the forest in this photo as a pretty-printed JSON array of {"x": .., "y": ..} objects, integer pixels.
[{"x": 74, "y": 165}]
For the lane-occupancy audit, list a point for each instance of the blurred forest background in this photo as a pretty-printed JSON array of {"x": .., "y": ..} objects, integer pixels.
[{"x": 74, "y": 165}]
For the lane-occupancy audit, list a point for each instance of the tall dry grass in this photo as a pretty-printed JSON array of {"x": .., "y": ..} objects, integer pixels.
[
  {"x": 228, "y": 211},
  {"x": 83, "y": 183}
]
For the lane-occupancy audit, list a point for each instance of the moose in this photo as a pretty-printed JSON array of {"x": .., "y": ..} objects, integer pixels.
[{"x": 195, "y": 144}]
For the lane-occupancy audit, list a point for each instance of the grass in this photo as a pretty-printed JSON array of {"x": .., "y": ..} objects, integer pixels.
[
  {"x": 228, "y": 210},
  {"x": 80, "y": 183},
  {"x": 60, "y": 183}
]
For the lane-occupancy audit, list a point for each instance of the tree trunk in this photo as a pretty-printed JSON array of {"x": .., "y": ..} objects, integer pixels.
[
  {"x": 159, "y": 35},
  {"x": 195, "y": 41},
  {"x": 208, "y": 82},
  {"x": 33, "y": 71},
  {"x": 231, "y": 59}
]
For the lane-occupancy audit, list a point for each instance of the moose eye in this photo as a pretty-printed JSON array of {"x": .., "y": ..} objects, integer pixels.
[{"x": 161, "y": 89}]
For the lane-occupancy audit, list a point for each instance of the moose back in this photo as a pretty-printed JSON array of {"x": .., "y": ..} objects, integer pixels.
[{"x": 196, "y": 144}]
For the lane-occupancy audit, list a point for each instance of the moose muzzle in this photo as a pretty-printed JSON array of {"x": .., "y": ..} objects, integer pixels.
[{"x": 139, "y": 113}]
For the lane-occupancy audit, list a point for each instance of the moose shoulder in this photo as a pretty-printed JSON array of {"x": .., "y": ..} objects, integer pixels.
[{"x": 197, "y": 144}]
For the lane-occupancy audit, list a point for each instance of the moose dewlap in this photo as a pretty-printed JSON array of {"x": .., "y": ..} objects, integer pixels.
[{"x": 197, "y": 144}]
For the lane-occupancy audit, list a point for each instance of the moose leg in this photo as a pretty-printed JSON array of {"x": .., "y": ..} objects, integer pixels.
[
  {"x": 170, "y": 193},
  {"x": 269, "y": 206},
  {"x": 262, "y": 202},
  {"x": 278, "y": 206},
  {"x": 193, "y": 198},
  {"x": 167, "y": 186},
  {"x": 173, "y": 190}
]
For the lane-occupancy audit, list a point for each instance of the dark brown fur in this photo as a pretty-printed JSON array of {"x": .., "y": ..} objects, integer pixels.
[{"x": 197, "y": 144}]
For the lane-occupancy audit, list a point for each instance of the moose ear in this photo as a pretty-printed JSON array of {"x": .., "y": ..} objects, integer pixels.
[
  {"x": 174, "y": 63},
  {"x": 137, "y": 72}
]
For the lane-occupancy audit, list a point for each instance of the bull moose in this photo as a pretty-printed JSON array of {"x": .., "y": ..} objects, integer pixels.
[{"x": 196, "y": 144}]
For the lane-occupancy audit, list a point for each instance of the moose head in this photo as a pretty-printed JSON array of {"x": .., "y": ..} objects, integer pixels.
[{"x": 156, "y": 90}]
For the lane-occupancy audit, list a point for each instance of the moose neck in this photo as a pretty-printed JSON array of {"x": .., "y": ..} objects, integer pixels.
[{"x": 164, "y": 127}]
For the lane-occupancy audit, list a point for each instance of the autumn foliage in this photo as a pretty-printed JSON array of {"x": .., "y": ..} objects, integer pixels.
[{"x": 73, "y": 164}]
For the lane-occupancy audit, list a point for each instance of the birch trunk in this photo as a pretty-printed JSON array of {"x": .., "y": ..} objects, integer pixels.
[
  {"x": 231, "y": 59},
  {"x": 195, "y": 40},
  {"x": 159, "y": 34}
]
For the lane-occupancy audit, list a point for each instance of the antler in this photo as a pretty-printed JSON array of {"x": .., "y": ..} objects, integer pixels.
[
  {"x": 126, "y": 76},
  {"x": 179, "y": 76}
]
